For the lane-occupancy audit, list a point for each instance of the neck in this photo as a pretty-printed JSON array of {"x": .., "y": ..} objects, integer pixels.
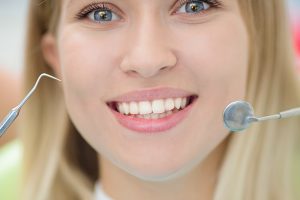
[{"x": 199, "y": 182}]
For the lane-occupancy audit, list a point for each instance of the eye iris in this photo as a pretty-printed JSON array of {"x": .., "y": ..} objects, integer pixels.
[
  {"x": 193, "y": 7},
  {"x": 103, "y": 15}
]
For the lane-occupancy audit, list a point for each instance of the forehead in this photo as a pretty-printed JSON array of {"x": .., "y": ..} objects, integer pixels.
[
  {"x": 69, "y": 3},
  {"x": 129, "y": 4}
]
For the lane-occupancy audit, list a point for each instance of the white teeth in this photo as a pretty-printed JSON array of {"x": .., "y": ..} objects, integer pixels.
[
  {"x": 145, "y": 107},
  {"x": 120, "y": 108},
  {"x": 183, "y": 103},
  {"x": 154, "y": 116},
  {"x": 125, "y": 108},
  {"x": 156, "y": 106},
  {"x": 134, "y": 109},
  {"x": 162, "y": 115},
  {"x": 178, "y": 103},
  {"x": 169, "y": 104},
  {"x": 148, "y": 116}
]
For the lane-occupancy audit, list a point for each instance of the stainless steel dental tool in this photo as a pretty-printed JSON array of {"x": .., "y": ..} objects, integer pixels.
[
  {"x": 13, "y": 114},
  {"x": 239, "y": 115}
]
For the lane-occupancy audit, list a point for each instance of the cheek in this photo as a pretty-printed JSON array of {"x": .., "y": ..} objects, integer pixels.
[
  {"x": 84, "y": 70},
  {"x": 89, "y": 62},
  {"x": 218, "y": 57},
  {"x": 86, "y": 60}
]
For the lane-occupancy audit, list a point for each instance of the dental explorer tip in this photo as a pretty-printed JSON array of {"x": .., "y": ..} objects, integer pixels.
[{"x": 45, "y": 74}]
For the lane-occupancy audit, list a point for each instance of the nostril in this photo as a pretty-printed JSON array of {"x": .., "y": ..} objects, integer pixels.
[
  {"x": 163, "y": 68},
  {"x": 132, "y": 73}
]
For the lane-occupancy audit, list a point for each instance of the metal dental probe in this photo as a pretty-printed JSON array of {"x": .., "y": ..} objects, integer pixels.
[{"x": 13, "y": 114}]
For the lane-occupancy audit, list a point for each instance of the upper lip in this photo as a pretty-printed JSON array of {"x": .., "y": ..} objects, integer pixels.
[{"x": 151, "y": 94}]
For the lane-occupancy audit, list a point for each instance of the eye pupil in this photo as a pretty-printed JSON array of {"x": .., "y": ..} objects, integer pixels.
[
  {"x": 193, "y": 7},
  {"x": 103, "y": 15}
]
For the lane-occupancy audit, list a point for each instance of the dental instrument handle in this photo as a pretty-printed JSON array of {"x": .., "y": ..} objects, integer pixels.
[
  {"x": 8, "y": 120},
  {"x": 284, "y": 114},
  {"x": 290, "y": 113},
  {"x": 265, "y": 118}
]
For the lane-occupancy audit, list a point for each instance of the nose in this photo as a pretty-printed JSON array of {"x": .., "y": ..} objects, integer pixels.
[{"x": 148, "y": 52}]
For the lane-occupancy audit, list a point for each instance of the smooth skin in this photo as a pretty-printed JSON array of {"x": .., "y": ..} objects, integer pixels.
[{"x": 151, "y": 44}]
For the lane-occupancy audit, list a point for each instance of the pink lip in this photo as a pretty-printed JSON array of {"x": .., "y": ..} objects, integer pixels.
[
  {"x": 151, "y": 94},
  {"x": 146, "y": 126}
]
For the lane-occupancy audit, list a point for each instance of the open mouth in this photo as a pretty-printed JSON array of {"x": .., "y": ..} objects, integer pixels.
[{"x": 155, "y": 109}]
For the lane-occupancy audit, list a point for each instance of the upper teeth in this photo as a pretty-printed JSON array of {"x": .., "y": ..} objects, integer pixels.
[{"x": 148, "y": 107}]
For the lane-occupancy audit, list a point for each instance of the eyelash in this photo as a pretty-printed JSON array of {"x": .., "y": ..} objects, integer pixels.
[
  {"x": 107, "y": 6},
  {"x": 211, "y": 3},
  {"x": 96, "y": 6}
]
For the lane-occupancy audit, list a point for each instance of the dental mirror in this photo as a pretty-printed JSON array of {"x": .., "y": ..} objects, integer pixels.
[
  {"x": 13, "y": 114},
  {"x": 238, "y": 115}
]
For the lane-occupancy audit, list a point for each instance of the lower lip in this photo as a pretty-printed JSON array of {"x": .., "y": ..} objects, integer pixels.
[{"x": 146, "y": 126}]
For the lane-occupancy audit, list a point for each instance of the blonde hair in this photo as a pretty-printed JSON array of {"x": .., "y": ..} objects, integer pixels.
[{"x": 258, "y": 164}]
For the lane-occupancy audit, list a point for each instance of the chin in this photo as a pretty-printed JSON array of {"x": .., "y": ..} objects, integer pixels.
[{"x": 159, "y": 172}]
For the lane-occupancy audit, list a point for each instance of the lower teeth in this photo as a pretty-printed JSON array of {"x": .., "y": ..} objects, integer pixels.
[{"x": 155, "y": 115}]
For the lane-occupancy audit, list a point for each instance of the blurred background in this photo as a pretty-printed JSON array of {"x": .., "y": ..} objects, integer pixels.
[
  {"x": 294, "y": 8},
  {"x": 12, "y": 23},
  {"x": 12, "y": 34}
]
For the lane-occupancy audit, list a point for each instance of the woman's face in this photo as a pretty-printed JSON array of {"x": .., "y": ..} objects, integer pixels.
[{"x": 110, "y": 48}]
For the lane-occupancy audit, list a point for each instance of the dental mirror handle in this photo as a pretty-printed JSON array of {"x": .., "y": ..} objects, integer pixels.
[
  {"x": 284, "y": 114},
  {"x": 8, "y": 120},
  {"x": 290, "y": 113}
]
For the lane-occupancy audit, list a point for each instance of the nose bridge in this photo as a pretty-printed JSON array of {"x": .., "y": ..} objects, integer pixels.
[
  {"x": 148, "y": 50},
  {"x": 149, "y": 30}
]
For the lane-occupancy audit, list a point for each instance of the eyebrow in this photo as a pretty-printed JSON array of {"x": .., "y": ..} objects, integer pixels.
[{"x": 72, "y": 1}]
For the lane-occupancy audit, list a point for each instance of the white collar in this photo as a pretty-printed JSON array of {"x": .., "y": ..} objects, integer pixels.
[{"x": 99, "y": 193}]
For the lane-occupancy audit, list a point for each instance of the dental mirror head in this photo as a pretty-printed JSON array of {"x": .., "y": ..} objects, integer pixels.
[{"x": 237, "y": 115}]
